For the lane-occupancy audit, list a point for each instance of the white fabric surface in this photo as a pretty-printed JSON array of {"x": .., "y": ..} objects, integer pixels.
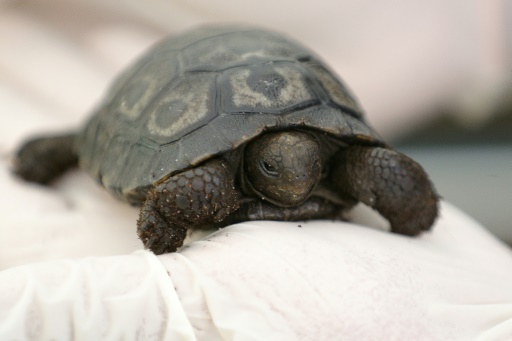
[
  {"x": 275, "y": 281},
  {"x": 256, "y": 280}
]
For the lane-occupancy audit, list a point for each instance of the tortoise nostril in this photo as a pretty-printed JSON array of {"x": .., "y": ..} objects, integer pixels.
[{"x": 301, "y": 176}]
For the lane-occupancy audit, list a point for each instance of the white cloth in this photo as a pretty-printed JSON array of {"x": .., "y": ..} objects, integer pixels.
[{"x": 275, "y": 281}]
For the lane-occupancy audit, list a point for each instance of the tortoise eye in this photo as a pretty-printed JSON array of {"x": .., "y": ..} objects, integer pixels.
[{"x": 269, "y": 168}]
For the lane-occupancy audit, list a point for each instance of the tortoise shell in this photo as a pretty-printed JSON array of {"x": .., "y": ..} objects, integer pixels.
[{"x": 204, "y": 93}]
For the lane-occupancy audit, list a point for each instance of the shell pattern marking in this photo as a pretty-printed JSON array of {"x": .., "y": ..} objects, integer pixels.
[
  {"x": 268, "y": 87},
  {"x": 135, "y": 91},
  {"x": 183, "y": 107}
]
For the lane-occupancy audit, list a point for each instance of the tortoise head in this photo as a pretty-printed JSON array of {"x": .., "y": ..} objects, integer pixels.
[{"x": 283, "y": 167}]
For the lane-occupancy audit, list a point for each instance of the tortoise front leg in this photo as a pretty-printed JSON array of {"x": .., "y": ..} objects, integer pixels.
[
  {"x": 200, "y": 196},
  {"x": 391, "y": 183}
]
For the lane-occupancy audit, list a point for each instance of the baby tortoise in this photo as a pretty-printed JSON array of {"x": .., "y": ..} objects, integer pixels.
[{"x": 227, "y": 124}]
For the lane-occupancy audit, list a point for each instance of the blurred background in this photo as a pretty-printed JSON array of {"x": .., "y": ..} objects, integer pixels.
[{"x": 434, "y": 77}]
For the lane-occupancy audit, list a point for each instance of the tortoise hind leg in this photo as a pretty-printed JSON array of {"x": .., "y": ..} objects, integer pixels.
[{"x": 43, "y": 159}]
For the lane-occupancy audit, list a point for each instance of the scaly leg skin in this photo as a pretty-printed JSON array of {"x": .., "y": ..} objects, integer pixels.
[
  {"x": 43, "y": 159},
  {"x": 200, "y": 196},
  {"x": 391, "y": 183}
]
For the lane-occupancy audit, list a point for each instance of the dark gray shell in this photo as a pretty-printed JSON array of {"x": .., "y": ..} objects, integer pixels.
[{"x": 205, "y": 92}]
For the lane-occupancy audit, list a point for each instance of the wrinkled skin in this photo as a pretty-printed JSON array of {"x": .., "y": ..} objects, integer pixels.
[{"x": 278, "y": 176}]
